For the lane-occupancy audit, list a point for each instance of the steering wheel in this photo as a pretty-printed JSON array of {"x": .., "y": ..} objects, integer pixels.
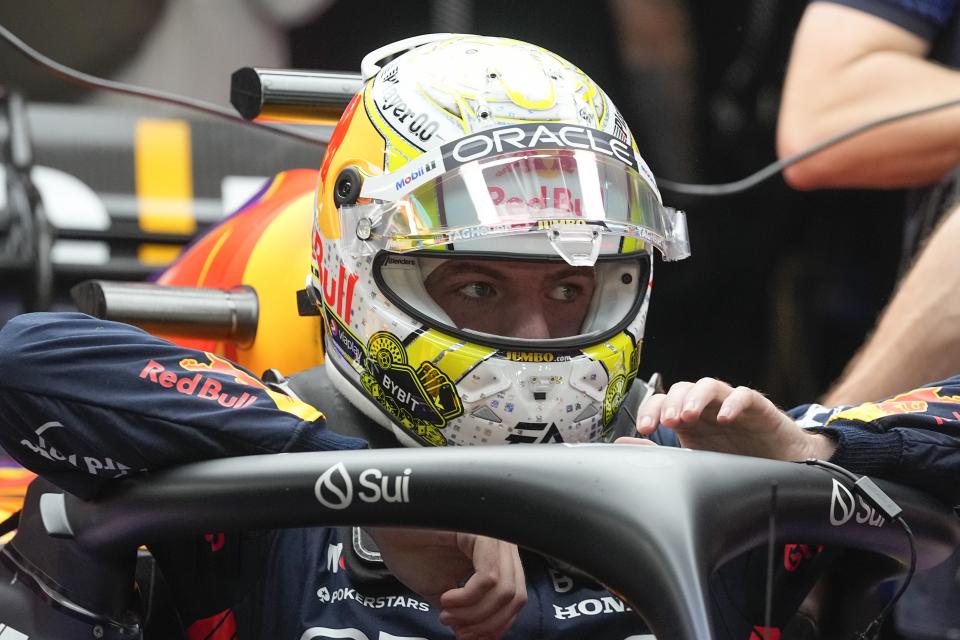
[{"x": 692, "y": 512}]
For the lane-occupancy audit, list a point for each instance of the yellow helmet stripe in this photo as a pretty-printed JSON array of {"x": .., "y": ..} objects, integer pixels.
[
  {"x": 394, "y": 139},
  {"x": 516, "y": 95},
  {"x": 615, "y": 354},
  {"x": 455, "y": 361}
]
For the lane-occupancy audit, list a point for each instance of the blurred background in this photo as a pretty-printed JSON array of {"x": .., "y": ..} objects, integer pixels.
[{"x": 782, "y": 287}]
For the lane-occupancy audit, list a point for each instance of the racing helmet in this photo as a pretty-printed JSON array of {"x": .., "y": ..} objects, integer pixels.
[{"x": 465, "y": 166}]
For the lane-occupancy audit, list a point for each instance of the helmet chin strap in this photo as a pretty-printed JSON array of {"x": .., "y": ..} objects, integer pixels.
[{"x": 365, "y": 404}]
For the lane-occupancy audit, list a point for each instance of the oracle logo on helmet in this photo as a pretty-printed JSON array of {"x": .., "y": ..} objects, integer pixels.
[{"x": 547, "y": 135}]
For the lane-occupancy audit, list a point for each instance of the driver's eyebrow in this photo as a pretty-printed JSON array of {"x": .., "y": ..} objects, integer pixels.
[
  {"x": 476, "y": 266},
  {"x": 456, "y": 267},
  {"x": 574, "y": 272}
]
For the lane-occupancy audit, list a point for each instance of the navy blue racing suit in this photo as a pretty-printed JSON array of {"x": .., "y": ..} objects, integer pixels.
[{"x": 84, "y": 402}]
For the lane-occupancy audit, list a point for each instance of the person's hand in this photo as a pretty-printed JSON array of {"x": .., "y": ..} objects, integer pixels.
[
  {"x": 477, "y": 582},
  {"x": 712, "y": 416}
]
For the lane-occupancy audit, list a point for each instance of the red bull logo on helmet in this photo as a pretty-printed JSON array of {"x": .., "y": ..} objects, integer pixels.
[
  {"x": 561, "y": 200},
  {"x": 337, "y": 290}
]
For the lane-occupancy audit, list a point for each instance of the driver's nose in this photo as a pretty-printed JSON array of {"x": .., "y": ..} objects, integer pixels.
[{"x": 528, "y": 321}]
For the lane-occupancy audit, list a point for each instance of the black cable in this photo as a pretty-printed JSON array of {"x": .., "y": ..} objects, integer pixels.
[
  {"x": 865, "y": 488},
  {"x": 93, "y": 82},
  {"x": 739, "y": 186},
  {"x": 874, "y": 627},
  {"x": 846, "y": 473},
  {"x": 683, "y": 188}
]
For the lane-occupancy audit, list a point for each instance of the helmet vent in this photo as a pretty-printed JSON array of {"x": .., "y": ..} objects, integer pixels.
[
  {"x": 588, "y": 412},
  {"x": 486, "y": 413}
]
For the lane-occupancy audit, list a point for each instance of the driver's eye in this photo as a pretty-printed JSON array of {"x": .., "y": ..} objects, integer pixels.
[
  {"x": 477, "y": 290},
  {"x": 564, "y": 292}
]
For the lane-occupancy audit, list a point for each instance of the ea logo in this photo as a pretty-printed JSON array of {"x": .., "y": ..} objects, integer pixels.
[
  {"x": 842, "y": 505},
  {"x": 334, "y": 488}
]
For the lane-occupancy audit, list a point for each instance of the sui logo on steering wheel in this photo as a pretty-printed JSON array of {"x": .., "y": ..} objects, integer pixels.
[{"x": 334, "y": 489}]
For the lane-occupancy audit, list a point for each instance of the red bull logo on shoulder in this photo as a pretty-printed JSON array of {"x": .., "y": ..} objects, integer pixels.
[
  {"x": 916, "y": 401},
  {"x": 217, "y": 364},
  {"x": 200, "y": 384}
]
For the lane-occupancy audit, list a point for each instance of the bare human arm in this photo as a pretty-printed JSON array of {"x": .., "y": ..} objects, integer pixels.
[
  {"x": 847, "y": 68},
  {"x": 918, "y": 336}
]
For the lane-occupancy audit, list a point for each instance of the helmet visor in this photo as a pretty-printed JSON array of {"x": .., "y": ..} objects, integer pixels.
[
  {"x": 574, "y": 203},
  {"x": 516, "y": 302}
]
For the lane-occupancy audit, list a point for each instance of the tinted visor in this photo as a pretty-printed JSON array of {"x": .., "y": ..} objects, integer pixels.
[{"x": 573, "y": 203}]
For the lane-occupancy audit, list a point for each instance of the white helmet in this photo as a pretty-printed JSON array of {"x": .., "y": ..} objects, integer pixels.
[{"x": 473, "y": 178}]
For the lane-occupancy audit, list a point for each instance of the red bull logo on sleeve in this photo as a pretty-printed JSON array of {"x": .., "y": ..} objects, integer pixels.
[
  {"x": 916, "y": 401},
  {"x": 204, "y": 383},
  {"x": 220, "y": 365},
  {"x": 198, "y": 385}
]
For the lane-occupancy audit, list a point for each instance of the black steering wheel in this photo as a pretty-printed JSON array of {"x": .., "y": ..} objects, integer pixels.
[{"x": 672, "y": 515}]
